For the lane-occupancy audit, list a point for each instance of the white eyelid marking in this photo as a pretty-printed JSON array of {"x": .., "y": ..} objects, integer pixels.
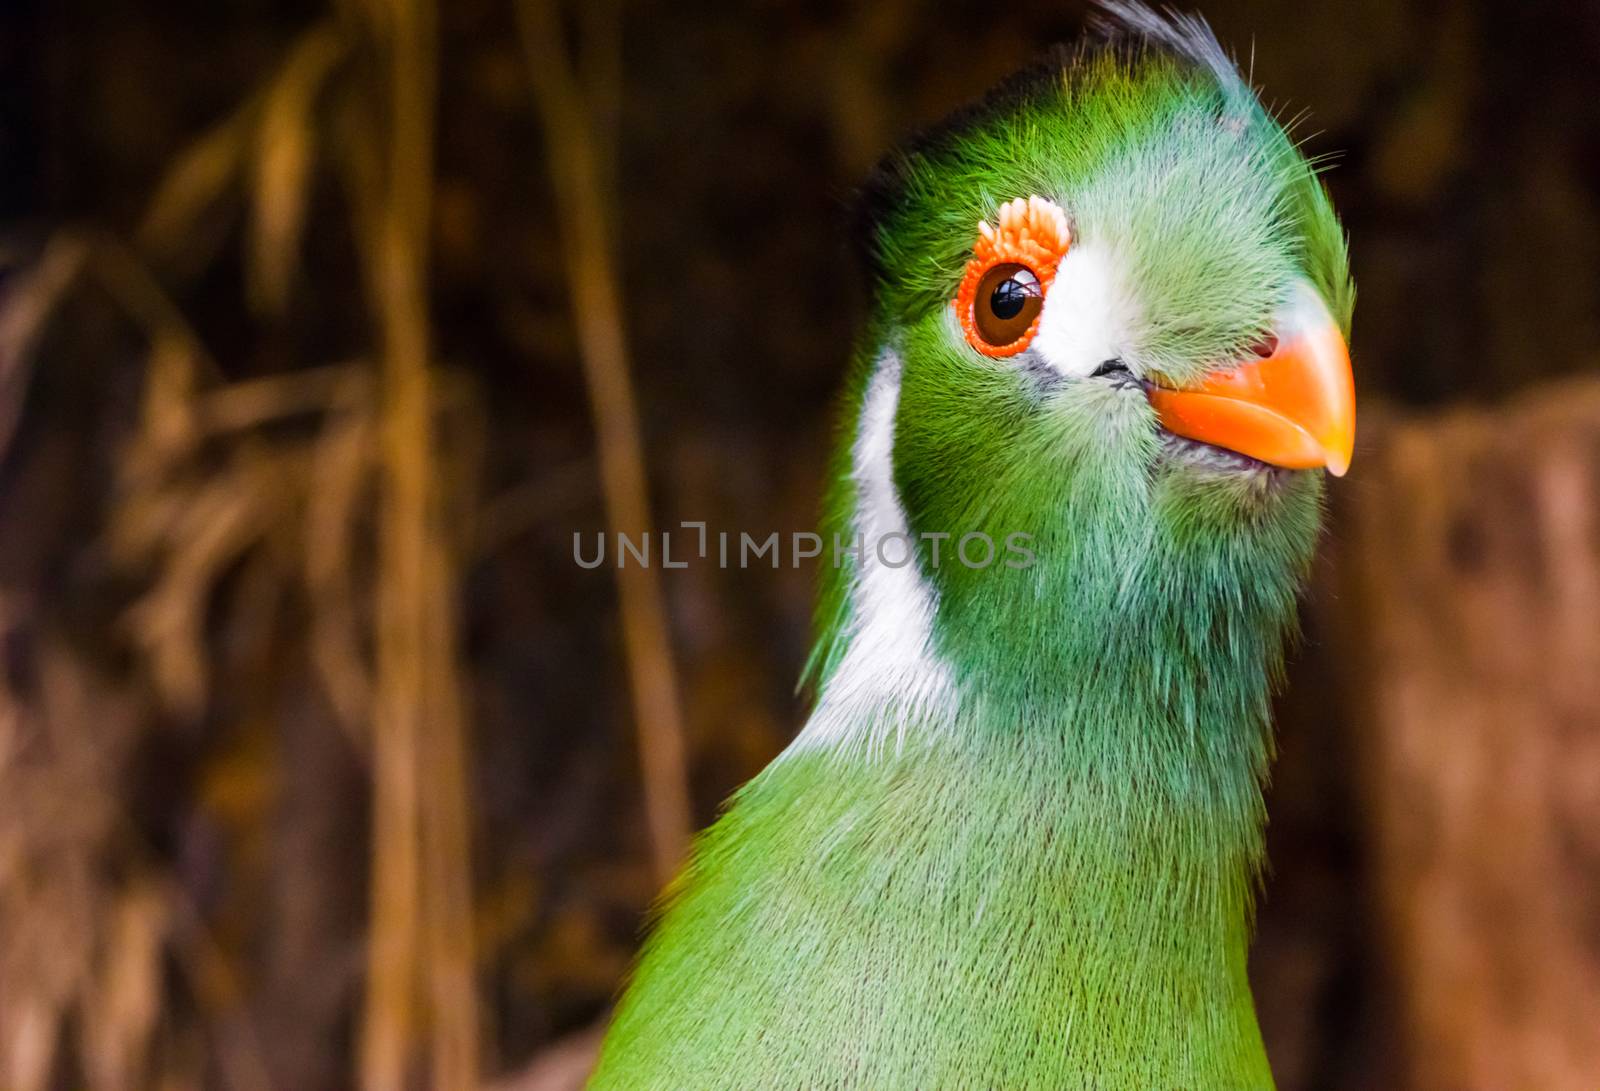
[{"x": 1090, "y": 313}]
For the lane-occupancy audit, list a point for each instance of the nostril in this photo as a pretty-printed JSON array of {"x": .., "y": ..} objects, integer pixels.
[{"x": 1118, "y": 372}]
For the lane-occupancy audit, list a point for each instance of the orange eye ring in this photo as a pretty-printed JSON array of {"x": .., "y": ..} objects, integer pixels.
[{"x": 1032, "y": 234}]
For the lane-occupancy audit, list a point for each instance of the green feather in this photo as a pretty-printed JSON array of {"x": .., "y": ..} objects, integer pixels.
[{"x": 1041, "y": 874}]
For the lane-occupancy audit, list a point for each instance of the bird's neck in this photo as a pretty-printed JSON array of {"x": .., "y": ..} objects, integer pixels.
[
  {"x": 1020, "y": 915},
  {"x": 1056, "y": 839}
]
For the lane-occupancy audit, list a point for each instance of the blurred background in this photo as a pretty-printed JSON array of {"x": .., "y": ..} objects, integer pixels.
[{"x": 324, "y": 324}]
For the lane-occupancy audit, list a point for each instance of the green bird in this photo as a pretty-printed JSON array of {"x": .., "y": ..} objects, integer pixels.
[{"x": 1017, "y": 842}]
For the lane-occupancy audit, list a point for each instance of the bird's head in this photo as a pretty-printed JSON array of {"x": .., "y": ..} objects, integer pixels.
[{"x": 1110, "y": 311}]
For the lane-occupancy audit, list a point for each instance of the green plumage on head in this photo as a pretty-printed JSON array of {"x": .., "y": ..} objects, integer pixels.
[{"x": 1015, "y": 844}]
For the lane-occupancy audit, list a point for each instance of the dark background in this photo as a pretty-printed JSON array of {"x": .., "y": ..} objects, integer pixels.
[{"x": 200, "y": 368}]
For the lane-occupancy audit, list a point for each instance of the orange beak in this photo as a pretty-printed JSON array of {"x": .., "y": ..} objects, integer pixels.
[{"x": 1295, "y": 408}]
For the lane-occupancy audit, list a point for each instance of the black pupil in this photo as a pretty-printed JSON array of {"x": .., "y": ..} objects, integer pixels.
[{"x": 1009, "y": 297}]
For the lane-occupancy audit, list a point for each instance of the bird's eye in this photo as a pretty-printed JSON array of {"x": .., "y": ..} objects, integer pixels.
[
  {"x": 1013, "y": 265},
  {"x": 1006, "y": 303}
]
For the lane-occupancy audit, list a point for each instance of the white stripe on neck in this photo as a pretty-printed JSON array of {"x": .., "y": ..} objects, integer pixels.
[{"x": 889, "y": 673}]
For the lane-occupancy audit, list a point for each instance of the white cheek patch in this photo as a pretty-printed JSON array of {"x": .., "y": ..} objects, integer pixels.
[
  {"x": 890, "y": 675},
  {"x": 1089, "y": 313}
]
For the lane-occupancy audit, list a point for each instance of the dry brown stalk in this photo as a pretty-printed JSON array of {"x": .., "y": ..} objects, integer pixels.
[
  {"x": 420, "y": 957},
  {"x": 28, "y": 307},
  {"x": 581, "y": 191},
  {"x": 341, "y": 465},
  {"x": 193, "y": 187},
  {"x": 284, "y": 158},
  {"x": 207, "y": 488}
]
